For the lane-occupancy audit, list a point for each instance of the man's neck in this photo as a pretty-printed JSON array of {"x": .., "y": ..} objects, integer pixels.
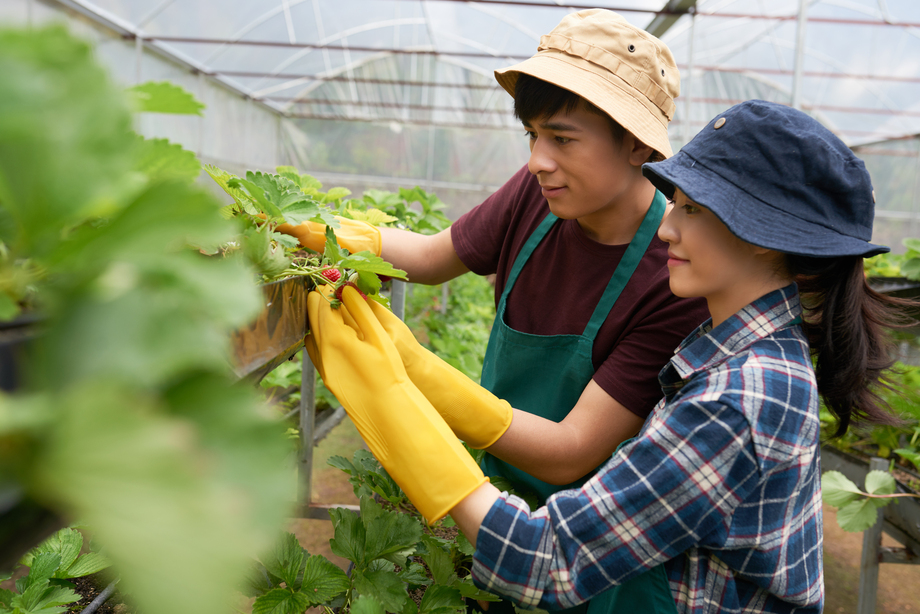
[{"x": 618, "y": 223}]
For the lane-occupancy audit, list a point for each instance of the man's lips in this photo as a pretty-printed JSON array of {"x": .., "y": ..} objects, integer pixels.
[{"x": 550, "y": 191}]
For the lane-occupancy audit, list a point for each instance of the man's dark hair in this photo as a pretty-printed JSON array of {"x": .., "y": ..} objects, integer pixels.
[{"x": 535, "y": 99}]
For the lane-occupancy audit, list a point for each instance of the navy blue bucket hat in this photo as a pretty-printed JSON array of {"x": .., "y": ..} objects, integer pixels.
[{"x": 777, "y": 179}]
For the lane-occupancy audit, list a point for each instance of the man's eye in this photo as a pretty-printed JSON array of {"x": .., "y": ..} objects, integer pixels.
[{"x": 690, "y": 209}]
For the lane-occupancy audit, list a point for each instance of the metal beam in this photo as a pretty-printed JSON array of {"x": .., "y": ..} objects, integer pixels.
[{"x": 668, "y": 16}]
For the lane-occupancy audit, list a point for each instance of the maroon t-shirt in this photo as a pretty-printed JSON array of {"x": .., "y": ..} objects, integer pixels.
[{"x": 562, "y": 283}]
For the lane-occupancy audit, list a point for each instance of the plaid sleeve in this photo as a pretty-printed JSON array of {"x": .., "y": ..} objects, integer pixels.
[{"x": 673, "y": 488}]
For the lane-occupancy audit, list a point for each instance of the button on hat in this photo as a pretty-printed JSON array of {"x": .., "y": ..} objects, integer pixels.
[
  {"x": 776, "y": 178},
  {"x": 621, "y": 69}
]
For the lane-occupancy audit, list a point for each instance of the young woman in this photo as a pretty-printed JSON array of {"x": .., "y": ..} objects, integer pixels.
[{"x": 721, "y": 488}]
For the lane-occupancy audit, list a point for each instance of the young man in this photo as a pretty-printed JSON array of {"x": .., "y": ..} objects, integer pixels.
[{"x": 585, "y": 318}]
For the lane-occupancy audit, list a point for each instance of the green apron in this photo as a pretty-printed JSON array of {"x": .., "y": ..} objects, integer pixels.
[{"x": 546, "y": 374}]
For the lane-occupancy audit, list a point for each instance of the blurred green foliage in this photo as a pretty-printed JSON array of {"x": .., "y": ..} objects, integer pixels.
[{"x": 128, "y": 418}]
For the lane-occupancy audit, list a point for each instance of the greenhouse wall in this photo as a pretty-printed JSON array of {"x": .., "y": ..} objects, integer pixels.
[{"x": 233, "y": 133}]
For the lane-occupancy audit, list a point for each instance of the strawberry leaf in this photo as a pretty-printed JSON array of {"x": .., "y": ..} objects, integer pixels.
[
  {"x": 323, "y": 580},
  {"x": 837, "y": 490},
  {"x": 161, "y": 160},
  {"x": 390, "y": 535},
  {"x": 383, "y": 585},
  {"x": 439, "y": 599},
  {"x": 164, "y": 97},
  {"x": 280, "y": 601},
  {"x": 349, "y": 536},
  {"x": 286, "y": 560},
  {"x": 366, "y": 605},
  {"x": 857, "y": 516},
  {"x": 367, "y": 262}
]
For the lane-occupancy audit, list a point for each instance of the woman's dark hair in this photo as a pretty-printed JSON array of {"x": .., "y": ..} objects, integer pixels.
[
  {"x": 847, "y": 323},
  {"x": 535, "y": 99}
]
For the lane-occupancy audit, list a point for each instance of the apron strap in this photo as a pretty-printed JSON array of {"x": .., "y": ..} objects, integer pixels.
[
  {"x": 531, "y": 244},
  {"x": 628, "y": 264}
]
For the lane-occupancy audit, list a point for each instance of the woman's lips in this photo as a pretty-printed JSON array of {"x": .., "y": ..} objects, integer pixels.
[{"x": 675, "y": 261}]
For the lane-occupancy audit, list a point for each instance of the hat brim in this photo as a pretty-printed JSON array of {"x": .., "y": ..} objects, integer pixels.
[
  {"x": 611, "y": 95},
  {"x": 760, "y": 224}
]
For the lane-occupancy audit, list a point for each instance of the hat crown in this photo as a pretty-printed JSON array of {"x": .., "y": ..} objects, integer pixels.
[
  {"x": 609, "y": 41},
  {"x": 791, "y": 162}
]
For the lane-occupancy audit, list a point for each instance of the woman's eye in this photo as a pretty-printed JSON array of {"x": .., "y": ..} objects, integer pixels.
[{"x": 691, "y": 209}]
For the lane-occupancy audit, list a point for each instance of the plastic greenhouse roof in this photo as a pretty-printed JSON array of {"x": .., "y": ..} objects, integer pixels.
[{"x": 431, "y": 61}]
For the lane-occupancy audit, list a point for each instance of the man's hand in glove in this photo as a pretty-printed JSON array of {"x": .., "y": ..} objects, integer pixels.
[{"x": 353, "y": 235}]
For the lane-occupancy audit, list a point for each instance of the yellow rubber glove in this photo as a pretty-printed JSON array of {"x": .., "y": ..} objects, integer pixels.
[
  {"x": 353, "y": 235},
  {"x": 362, "y": 368},
  {"x": 476, "y": 416}
]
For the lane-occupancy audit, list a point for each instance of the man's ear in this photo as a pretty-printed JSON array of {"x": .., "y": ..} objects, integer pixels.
[{"x": 639, "y": 152}]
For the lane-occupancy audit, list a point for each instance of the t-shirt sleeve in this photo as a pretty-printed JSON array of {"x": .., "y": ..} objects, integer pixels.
[
  {"x": 480, "y": 234},
  {"x": 630, "y": 373}
]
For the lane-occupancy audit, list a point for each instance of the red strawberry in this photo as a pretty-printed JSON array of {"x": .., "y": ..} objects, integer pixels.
[
  {"x": 332, "y": 275},
  {"x": 338, "y": 291}
]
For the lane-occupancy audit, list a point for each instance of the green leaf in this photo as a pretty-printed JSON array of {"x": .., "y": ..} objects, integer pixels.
[
  {"x": 42, "y": 568},
  {"x": 837, "y": 490},
  {"x": 332, "y": 252},
  {"x": 303, "y": 210},
  {"x": 415, "y": 575},
  {"x": 240, "y": 197},
  {"x": 368, "y": 262},
  {"x": 390, "y": 535},
  {"x": 257, "y": 195},
  {"x": 66, "y": 543},
  {"x": 280, "y": 601},
  {"x": 287, "y": 560},
  {"x": 365, "y": 604},
  {"x": 349, "y": 536},
  {"x": 323, "y": 580},
  {"x": 911, "y": 455},
  {"x": 9, "y": 308},
  {"x": 880, "y": 483},
  {"x": 164, "y": 97},
  {"x": 44, "y": 599},
  {"x": 383, "y": 585},
  {"x": 470, "y": 591},
  {"x": 439, "y": 563},
  {"x": 440, "y": 599},
  {"x": 160, "y": 160},
  {"x": 66, "y": 135},
  {"x": 857, "y": 516}
]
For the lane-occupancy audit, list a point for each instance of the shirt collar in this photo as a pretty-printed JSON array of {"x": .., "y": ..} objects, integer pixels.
[{"x": 707, "y": 347}]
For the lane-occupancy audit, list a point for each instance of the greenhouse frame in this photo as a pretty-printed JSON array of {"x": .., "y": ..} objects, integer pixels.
[{"x": 385, "y": 93}]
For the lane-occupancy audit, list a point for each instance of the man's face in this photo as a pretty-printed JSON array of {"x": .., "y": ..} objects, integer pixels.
[{"x": 583, "y": 171}]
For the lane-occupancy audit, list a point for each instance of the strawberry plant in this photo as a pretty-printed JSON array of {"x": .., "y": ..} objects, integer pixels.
[
  {"x": 46, "y": 589},
  {"x": 398, "y": 563}
]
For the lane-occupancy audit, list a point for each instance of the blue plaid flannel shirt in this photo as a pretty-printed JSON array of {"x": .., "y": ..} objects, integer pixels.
[{"x": 722, "y": 486}]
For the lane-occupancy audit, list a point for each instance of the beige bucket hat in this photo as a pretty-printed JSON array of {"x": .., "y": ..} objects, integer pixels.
[{"x": 623, "y": 70}]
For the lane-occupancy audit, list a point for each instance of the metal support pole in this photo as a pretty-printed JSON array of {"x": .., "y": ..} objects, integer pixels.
[
  {"x": 871, "y": 553},
  {"x": 138, "y": 58},
  {"x": 688, "y": 130},
  {"x": 307, "y": 428},
  {"x": 799, "y": 55},
  {"x": 398, "y": 298}
]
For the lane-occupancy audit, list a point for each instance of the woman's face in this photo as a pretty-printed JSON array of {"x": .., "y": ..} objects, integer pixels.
[{"x": 706, "y": 260}]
